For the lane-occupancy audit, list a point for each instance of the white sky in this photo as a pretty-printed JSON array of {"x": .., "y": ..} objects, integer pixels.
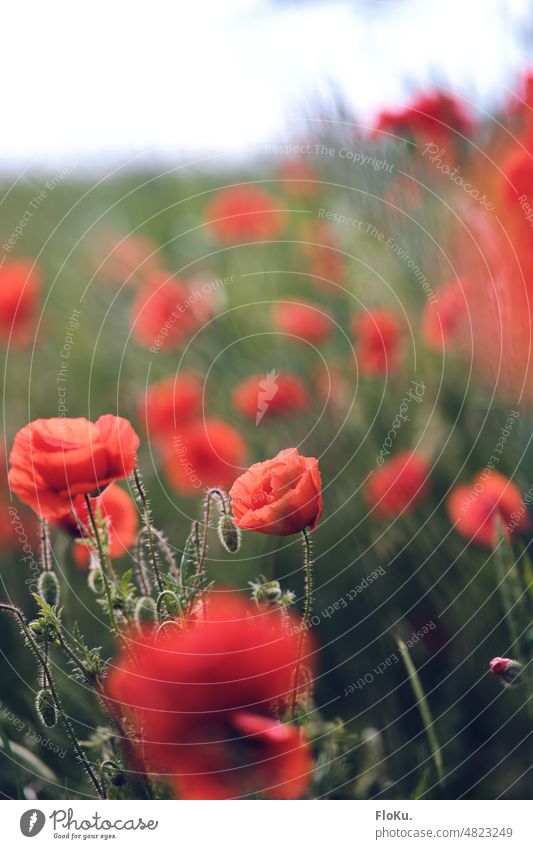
[{"x": 109, "y": 80}]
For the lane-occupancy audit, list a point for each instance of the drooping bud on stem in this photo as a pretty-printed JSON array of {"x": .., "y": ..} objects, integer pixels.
[
  {"x": 229, "y": 534},
  {"x": 508, "y": 670},
  {"x": 48, "y": 588},
  {"x": 46, "y": 708}
]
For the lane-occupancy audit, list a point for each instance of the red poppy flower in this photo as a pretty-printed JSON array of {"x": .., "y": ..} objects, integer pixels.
[
  {"x": 118, "y": 258},
  {"x": 308, "y": 322},
  {"x": 114, "y": 505},
  {"x": 273, "y": 394},
  {"x": 399, "y": 485},
  {"x": 443, "y": 320},
  {"x": 475, "y": 508},
  {"x": 243, "y": 213},
  {"x": 281, "y": 496},
  {"x": 432, "y": 116},
  {"x": 20, "y": 284},
  {"x": 205, "y": 699},
  {"x": 169, "y": 404},
  {"x": 517, "y": 178},
  {"x": 326, "y": 263},
  {"x": 166, "y": 312},
  {"x": 379, "y": 335},
  {"x": 54, "y": 460},
  {"x": 203, "y": 454},
  {"x": 299, "y": 178}
]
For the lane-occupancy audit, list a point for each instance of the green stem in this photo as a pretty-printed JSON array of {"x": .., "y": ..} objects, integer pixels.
[
  {"x": 423, "y": 707},
  {"x": 150, "y": 538},
  {"x": 103, "y": 566},
  {"x": 51, "y": 686},
  {"x": 308, "y": 590}
]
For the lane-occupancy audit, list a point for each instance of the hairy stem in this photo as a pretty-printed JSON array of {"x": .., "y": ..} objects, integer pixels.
[
  {"x": 149, "y": 534},
  {"x": 308, "y": 590},
  {"x": 51, "y": 686}
]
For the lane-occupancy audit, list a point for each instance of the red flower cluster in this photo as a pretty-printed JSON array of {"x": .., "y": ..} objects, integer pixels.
[
  {"x": 54, "y": 460},
  {"x": 167, "y": 312},
  {"x": 244, "y": 213},
  {"x": 445, "y": 320},
  {"x": 306, "y": 321},
  {"x": 399, "y": 485},
  {"x": 279, "y": 394},
  {"x": 117, "y": 508},
  {"x": 169, "y": 404},
  {"x": 475, "y": 508},
  {"x": 433, "y": 116},
  {"x": 378, "y": 336},
  {"x": 20, "y": 285},
  {"x": 206, "y": 698},
  {"x": 204, "y": 453},
  {"x": 281, "y": 496}
]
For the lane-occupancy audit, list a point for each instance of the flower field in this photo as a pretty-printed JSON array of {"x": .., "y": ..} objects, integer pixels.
[{"x": 266, "y": 499}]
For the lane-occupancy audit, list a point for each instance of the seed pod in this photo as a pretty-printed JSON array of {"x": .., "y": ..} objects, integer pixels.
[
  {"x": 45, "y": 707},
  {"x": 117, "y": 778},
  {"x": 96, "y": 581},
  {"x": 145, "y": 611},
  {"x": 48, "y": 588},
  {"x": 229, "y": 534}
]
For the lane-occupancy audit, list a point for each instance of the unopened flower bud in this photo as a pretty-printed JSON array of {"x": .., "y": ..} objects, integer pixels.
[
  {"x": 96, "y": 581},
  {"x": 266, "y": 591},
  {"x": 45, "y": 707},
  {"x": 48, "y": 588},
  {"x": 229, "y": 534},
  {"x": 509, "y": 670},
  {"x": 145, "y": 611}
]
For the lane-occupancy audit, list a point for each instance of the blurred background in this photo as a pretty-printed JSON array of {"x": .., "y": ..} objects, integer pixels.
[{"x": 121, "y": 125}]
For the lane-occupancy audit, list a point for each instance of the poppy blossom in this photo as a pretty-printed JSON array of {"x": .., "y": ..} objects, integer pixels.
[
  {"x": 299, "y": 178},
  {"x": 117, "y": 508},
  {"x": 118, "y": 258},
  {"x": 273, "y": 394},
  {"x": 20, "y": 284},
  {"x": 242, "y": 213},
  {"x": 205, "y": 699},
  {"x": 378, "y": 340},
  {"x": 431, "y": 116},
  {"x": 443, "y": 320},
  {"x": 517, "y": 177},
  {"x": 398, "y": 485},
  {"x": 475, "y": 509},
  {"x": 281, "y": 496},
  {"x": 308, "y": 322},
  {"x": 170, "y": 403},
  {"x": 204, "y": 453},
  {"x": 54, "y": 460},
  {"x": 326, "y": 263},
  {"x": 166, "y": 312}
]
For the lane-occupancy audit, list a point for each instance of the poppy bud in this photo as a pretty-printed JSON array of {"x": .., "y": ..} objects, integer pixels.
[
  {"x": 48, "y": 588},
  {"x": 145, "y": 611},
  {"x": 269, "y": 591},
  {"x": 45, "y": 707},
  {"x": 96, "y": 581},
  {"x": 228, "y": 534},
  {"x": 509, "y": 670}
]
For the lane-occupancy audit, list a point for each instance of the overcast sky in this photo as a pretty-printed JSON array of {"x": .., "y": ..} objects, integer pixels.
[{"x": 105, "y": 81}]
